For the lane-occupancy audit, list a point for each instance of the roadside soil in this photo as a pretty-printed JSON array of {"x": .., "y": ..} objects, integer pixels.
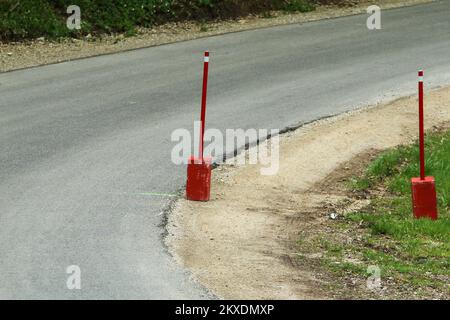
[
  {"x": 244, "y": 243},
  {"x": 40, "y": 51}
]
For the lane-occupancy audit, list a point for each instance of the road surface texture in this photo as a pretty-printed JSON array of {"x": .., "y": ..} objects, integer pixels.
[{"x": 85, "y": 169}]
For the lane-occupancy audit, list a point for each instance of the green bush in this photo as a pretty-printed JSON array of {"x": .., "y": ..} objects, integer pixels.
[
  {"x": 28, "y": 19},
  {"x": 117, "y": 15},
  {"x": 298, "y": 5},
  {"x": 33, "y": 18}
]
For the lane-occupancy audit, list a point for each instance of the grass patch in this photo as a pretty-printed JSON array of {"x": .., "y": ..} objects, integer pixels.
[
  {"x": 395, "y": 168},
  {"x": 413, "y": 254},
  {"x": 415, "y": 250}
]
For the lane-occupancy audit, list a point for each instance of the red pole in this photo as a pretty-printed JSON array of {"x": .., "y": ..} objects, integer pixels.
[
  {"x": 421, "y": 128},
  {"x": 203, "y": 114}
]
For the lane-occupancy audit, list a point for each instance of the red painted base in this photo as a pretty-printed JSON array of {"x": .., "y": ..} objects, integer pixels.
[
  {"x": 198, "y": 184},
  {"x": 424, "y": 198}
]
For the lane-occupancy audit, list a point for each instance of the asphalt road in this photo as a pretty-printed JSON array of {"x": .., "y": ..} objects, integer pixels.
[{"x": 85, "y": 168}]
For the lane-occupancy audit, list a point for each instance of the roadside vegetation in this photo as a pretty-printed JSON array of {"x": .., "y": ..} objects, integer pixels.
[
  {"x": 24, "y": 19},
  {"x": 416, "y": 250},
  {"x": 413, "y": 255}
]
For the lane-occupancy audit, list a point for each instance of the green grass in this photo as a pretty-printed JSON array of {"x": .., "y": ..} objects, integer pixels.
[
  {"x": 417, "y": 250},
  {"x": 414, "y": 254},
  {"x": 396, "y": 167}
]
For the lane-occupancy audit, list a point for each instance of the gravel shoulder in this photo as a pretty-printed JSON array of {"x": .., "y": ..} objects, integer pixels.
[
  {"x": 243, "y": 244},
  {"x": 38, "y": 52}
]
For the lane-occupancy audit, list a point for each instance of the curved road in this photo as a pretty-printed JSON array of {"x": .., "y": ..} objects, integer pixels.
[{"x": 85, "y": 168}]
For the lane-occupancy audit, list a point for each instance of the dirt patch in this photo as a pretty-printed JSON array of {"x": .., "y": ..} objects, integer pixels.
[
  {"x": 243, "y": 244},
  {"x": 33, "y": 53}
]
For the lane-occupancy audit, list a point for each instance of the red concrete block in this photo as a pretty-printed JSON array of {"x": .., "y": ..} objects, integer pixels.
[
  {"x": 424, "y": 198},
  {"x": 198, "y": 186}
]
